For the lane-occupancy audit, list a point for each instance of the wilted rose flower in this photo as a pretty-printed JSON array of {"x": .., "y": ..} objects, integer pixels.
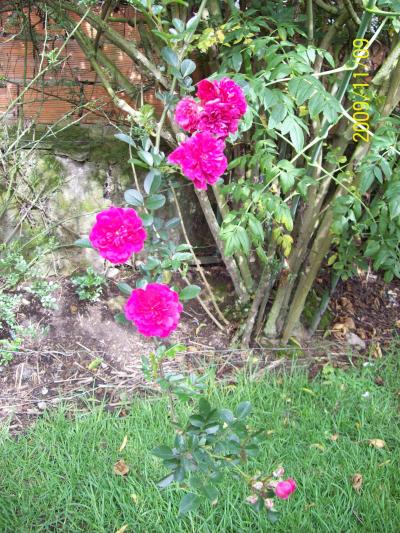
[
  {"x": 117, "y": 233},
  {"x": 201, "y": 158},
  {"x": 155, "y": 310},
  {"x": 258, "y": 485},
  {"x": 269, "y": 504},
  {"x": 285, "y": 488},
  {"x": 278, "y": 472},
  {"x": 252, "y": 499},
  {"x": 187, "y": 114}
]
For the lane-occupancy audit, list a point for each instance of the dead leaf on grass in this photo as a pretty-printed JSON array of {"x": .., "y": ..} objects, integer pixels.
[
  {"x": 319, "y": 446},
  {"x": 376, "y": 351},
  {"x": 356, "y": 482},
  {"x": 334, "y": 437},
  {"x": 377, "y": 443},
  {"x": 121, "y": 468},
  {"x": 122, "y": 529},
  {"x": 124, "y": 443}
]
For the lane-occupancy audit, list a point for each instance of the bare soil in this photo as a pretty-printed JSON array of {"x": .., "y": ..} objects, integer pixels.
[{"x": 57, "y": 366}]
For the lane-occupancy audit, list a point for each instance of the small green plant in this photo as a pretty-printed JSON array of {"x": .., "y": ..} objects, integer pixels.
[
  {"x": 8, "y": 348},
  {"x": 9, "y": 304},
  {"x": 44, "y": 291},
  {"x": 89, "y": 286}
]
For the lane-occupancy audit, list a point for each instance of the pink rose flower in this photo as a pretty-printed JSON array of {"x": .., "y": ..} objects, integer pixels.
[
  {"x": 187, "y": 114},
  {"x": 253, "y": 499},
  {"x": 224, "y": 91},
  {"x": 217, "y": 118},
  {"x": 206, "y": 91},
  {"x": 201, "y": 158},
  {"x": 155, "y": 310},
  {"x": 118, "y": 233},
  {"x": 278, "y": 472},
  {"x": 285, "y": 488}
]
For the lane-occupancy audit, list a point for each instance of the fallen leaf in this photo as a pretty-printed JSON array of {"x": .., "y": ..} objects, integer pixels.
[
  {"x": 94, "y": 365},
  {"x": 121, "y": 468},
  {"x": 356, "y": 482},
  {"x": 124, "y": 443},
  {"x": 387, "y": 462},
  {"x": 379, "y": 381},
  {"x": 376, "y": 351},
  {"x": 377, "y": 443},
  {"x": 320, "y": 447},
  {"x": 397, "y": 323},
  {"x": 73, "y": 308},
  {"x": 334, "y": 437},
  {"x": 122, "y": 529},
  {"x": 308, "y": 391},
  {"x": 134, "y": 498}
]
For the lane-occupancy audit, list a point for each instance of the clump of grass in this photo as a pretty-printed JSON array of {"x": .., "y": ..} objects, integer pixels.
[{"x": 59, "y": 476}]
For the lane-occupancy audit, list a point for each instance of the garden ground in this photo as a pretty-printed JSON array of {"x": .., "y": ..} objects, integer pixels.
[
  {"x": 85, "y": 352},
  {"x": 338, "y": 435}
]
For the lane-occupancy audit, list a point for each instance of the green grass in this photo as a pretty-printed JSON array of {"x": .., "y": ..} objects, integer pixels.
[{"x": 59, "y": 476}]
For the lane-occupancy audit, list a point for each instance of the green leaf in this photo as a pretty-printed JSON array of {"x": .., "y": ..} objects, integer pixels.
[
  {"x": 173, "y": 350},
  {"x": 165, "y": 481},
  {"x": 163, "y": 452},
  {"x": 237, "y": 60},
  {"x": 152, "y": 181},
  {"x": 170, "y": 57},
  {"x": 172, "y": 222},
  {"x": 273, "y": 516},
  {"x": 243, "y": 238},
  {"x": 179, "y": 25},
  {"x": 256, "y": 229},
  {"x": 187, "y": 67},
  {"x": 147, "y": 219},
  {"x": 182, "y": 256},
  {"x": 125, "y": 138},
  {"x": 137, "y": 162},
  {"x": 211, "y": 493},
  {"x": 133, "y": 197},
  {"x": 287, "y": 181},
  {"x": 243, "y": 410},
  {"x": 155, "y": 201},
  {"x": 121, "y": 319},
  {"x": 125, "y": 288},
  {"x": 83, "y": 243},
  {"x": 190, "y": 502},
  {"x": 226, "y": 416},
  {"x": 189, "y": 292},
  {"x": 146, "y": 156},
  {"x": 394, "y": 208}
]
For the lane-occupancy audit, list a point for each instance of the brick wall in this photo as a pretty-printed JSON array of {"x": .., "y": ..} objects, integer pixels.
[{"x": 72, "y": 89}]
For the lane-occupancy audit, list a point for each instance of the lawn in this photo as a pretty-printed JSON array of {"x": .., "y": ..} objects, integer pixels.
[{"x": 59, "y": 475}]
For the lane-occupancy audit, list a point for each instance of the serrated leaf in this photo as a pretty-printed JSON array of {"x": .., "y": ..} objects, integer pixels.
[
  {"x": 133, "y": 197},
  {"x": 152, "y": 182},
  {"x": 125, "y": 138},
  {"x": 155, "y": 201},
  {"x": 170, "y": 56},
  {"x": 146, "y": 157},
  {"x": 163, "y": 452},
  {"x": 190, "y": 502},
  {"x": 243, "y": 410},
  {"x": 189, "y": 292},
  {"x": 165, "y": 481},
  {"x": 125, "y": 288},
  {"x": 187, "y": 67},
  {"x": 147, "y": 219}
]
